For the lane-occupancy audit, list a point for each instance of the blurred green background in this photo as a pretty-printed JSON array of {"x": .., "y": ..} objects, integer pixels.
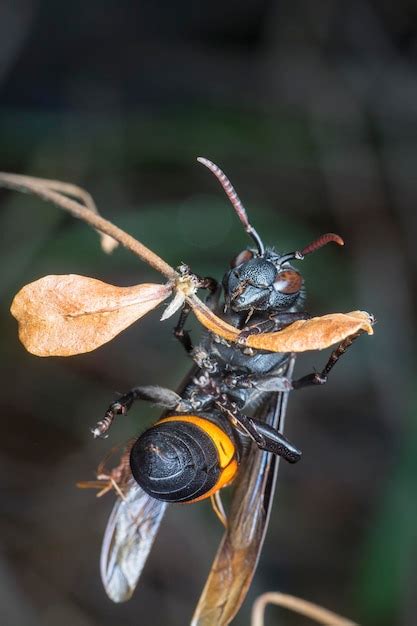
[{"x": 311, "y": 109}]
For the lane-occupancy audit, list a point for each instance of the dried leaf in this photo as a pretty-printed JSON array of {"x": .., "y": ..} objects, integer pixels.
[
  {"x": 316, "y": 333},
  {"x": 66, "y": 315}
]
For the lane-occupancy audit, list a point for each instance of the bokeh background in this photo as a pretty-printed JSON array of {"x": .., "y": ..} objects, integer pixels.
[{"x": 311, "y": 109}]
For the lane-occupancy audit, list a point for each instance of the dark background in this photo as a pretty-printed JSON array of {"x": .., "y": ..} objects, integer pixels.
[{"x": 311, "y": 109}]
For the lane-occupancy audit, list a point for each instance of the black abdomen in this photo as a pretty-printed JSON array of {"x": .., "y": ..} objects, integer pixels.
[{"x": 183, "y": 459}]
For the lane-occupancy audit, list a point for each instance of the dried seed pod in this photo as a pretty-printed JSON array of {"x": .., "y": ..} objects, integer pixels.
[
  {"x": 316, "y": 333},
  {"x": 70, "y": 314}
]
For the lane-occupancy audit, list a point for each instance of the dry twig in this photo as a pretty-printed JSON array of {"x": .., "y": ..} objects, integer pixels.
[{"x": 302, "y": 607}]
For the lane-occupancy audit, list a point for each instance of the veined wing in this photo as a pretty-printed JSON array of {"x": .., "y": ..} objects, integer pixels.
[
  {"x": 128, "y": 538},
  {"x": 238, "y": 554}
]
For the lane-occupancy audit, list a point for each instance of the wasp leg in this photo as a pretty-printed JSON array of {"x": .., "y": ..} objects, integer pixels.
[
  {"x": 320, "y": 378},
  {"x": 180, "y": 333},
  {"x": 212, "y": 301},
  {"x": 261, "y": 382},
  {"x": 276, "y": 443},
  {"x": 214, "y": 290},
  {"x": 272, "y": 324},
  {"x": 116, "y": 478},
  {"x": 150, "y": 393},
  {"x": 218, "y": 508},
  {"x": 265, "y": 437}
]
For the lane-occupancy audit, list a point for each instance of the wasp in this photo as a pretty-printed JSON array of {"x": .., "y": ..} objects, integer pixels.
[{"x": 223, "y": 426}]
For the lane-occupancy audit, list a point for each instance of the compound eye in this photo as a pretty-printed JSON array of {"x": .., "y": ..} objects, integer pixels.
[
  {"x": 288, "y": 282},
  {"x": 242, "y": 257}
]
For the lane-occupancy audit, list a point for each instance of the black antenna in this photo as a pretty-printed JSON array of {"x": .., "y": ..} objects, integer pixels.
[{"x": 236, "y": 203}]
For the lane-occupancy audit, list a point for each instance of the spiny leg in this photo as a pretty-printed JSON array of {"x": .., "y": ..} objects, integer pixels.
[
  {"x": 320, "y": 378},
  {"x": 273, "y": 324},
  {"x": 261, "y": 382},
  {"x": 150, "y": 393},
  {"x": 265, "y": 437},
  {"x": 116, "y": 478},
  {"x": 180, "y": 333}
]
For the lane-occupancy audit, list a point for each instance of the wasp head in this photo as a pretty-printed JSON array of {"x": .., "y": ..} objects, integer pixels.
[{"x": 262, "y": 282}]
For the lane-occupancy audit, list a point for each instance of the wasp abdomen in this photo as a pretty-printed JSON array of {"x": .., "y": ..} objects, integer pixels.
[{"x": 183, "y": 458}]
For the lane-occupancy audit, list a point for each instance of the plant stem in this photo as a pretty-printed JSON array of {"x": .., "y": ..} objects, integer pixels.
[
  {"x": 302, "y": 607},
  {"x": 43, "y": 189}
]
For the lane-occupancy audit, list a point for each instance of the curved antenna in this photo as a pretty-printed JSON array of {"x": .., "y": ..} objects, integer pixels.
[
  {"x": 236, "y": 203},
  {"x": 312, "y": 247},
  {"x": 322, "y": 241}
]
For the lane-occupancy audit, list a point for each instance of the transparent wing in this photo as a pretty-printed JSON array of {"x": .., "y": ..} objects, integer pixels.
[
  {"x": 128, "y": 538},
  {"x": 237, "y": 556}
]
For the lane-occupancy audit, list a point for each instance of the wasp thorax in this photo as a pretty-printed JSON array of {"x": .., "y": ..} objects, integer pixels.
[{"x": 177, "y": 459}]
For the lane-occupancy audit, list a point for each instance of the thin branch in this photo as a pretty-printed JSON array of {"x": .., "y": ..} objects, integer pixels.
[
  {"x": 302, "y": 607},
  {"x": 108, "y": 244},
  {"x": 44, "y": 189}
]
